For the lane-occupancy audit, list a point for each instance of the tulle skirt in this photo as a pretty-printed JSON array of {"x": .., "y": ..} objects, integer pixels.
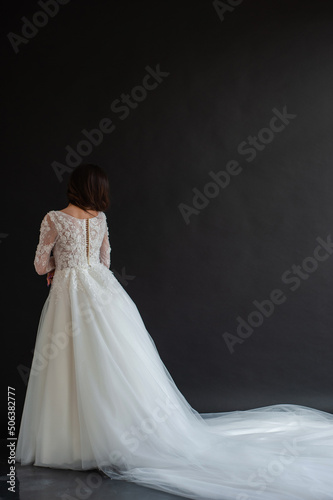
[{"x": 99, "y": 396}]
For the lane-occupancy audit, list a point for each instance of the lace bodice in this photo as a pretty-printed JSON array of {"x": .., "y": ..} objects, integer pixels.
[{"x": 74, "y": 242}]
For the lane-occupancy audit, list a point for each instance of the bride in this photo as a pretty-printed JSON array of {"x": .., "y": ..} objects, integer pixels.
[{"x": 100, "y": 397}]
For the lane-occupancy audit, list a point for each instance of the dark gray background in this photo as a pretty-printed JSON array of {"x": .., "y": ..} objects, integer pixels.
[{"x": 191, "y": 281}]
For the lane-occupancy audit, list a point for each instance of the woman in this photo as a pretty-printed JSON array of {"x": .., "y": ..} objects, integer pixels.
[{"x": 99, "y": 395}]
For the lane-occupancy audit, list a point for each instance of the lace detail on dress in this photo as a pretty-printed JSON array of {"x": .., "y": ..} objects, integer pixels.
[
  {"x": 94, "y": 281},
  {"x": 48, "y": 236},
  {"x": 66, "y": 236},
  {"x": 105, "y": 249},
  {"x": 77, "y": 245}
]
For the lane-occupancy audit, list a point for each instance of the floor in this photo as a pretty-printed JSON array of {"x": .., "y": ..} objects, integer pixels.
[{"x": 43, "y": 483}]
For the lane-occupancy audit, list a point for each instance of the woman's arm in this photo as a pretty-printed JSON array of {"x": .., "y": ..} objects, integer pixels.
[
  {"x": 105, "y": 250},
  {"x": 48, "y": 234}
]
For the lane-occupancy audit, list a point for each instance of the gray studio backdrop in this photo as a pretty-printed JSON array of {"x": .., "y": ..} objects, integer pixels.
[{"x": 214, "y": 123}]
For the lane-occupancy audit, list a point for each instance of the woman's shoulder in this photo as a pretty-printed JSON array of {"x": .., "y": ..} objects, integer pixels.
[
  {"x": 57, "y": 216},
  {"x": 64, "y": 215},
  {"x": 50, "y": 215}
]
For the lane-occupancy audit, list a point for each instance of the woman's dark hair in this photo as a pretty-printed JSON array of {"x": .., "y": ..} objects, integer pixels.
[{"x": 88, "y": 188}]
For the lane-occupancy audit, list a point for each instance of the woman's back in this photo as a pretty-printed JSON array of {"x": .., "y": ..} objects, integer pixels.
[
  {"x": 78, "y": 212},
  {"x": 75, "y": 242}
]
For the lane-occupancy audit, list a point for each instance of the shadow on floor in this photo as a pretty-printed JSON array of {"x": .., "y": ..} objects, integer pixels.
[{"x": 44, "y": 483}]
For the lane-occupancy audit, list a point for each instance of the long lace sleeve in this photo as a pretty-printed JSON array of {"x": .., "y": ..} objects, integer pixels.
[
  {"x": 105, "y": 250},
  {"x": 44, "y": 262}
]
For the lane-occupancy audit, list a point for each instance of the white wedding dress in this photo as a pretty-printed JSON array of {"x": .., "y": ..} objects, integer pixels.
[{"x": 99, "y": 395}]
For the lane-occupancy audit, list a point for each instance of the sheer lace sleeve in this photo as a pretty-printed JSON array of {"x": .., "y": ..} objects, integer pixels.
[
  {"x": 105, "y": 249},
  {"x": 44, "y": 262}
]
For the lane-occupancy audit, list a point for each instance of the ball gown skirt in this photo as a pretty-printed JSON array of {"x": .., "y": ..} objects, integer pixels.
[{"x": 99, "y": 396}]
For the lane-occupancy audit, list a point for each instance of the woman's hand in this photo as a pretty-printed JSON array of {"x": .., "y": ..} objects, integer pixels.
[{"x": 49, "y": 277}]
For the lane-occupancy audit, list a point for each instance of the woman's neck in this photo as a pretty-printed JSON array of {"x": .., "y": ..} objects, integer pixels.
[{"x": 79, "y": 212}]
